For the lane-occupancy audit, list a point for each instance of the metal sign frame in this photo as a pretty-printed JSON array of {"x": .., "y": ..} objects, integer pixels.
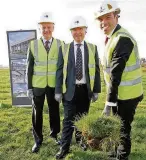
[{"x": 18, "y": 42}]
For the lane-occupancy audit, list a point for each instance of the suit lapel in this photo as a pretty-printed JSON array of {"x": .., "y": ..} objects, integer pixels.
[
  {"x": 71, "y": 51},
  {"x": 117, "y": 28}
]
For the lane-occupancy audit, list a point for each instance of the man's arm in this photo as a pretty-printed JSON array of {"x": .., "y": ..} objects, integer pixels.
[
  {"x": 120, "y": 56},
  {"x": 59, "y": 73},
  {"x": 97, "y": 81},
  {"x": 29, "y": 69}
]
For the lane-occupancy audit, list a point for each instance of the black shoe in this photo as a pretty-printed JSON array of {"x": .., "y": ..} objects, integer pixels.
[
  {"x": 82, "y": 145},
  {"x": 56, "y": 140},
  {"x": 62, "y": 153},
  {"x": 36, "y": 148},
  {"x": 121, "y": 153}
]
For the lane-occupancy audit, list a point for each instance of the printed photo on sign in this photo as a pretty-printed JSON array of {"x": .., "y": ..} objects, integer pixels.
[
  {"x": 19, "y": 42},
  {"x": 19, "y": 90},
  {"x": 18, "y": 64},
  {"x": 18, "y": 76}
]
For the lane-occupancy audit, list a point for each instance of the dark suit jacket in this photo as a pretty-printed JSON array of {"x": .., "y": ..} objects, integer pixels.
[
  {"x": 71, "y": 79},
  {"x": 29, "y": 73}
]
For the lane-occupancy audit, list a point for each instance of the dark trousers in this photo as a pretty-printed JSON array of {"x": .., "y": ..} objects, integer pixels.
[
  {"x": 37, "y": 114},
  {"x": 73, "y": 110},
  {"x": 126, "y": 111},
  {"x": 114, "y": 110}
]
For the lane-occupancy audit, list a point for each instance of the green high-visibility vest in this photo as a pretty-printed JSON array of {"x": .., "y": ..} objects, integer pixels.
[
  {"x": 91, "y": 65},
  {"x": 45, "y": 64},
  {"x": 131, "y": 81}
]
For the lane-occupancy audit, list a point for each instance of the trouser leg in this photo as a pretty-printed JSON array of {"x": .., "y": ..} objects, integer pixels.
[
  {"x": 82, "y": 107},
  {"x": 126, "y": 111},
  {"x": 37, "y": 118},
  {"x": 114, "y": 110},
  {"x": 54, "y": 115},
  {"x": 68, "y": 125}
]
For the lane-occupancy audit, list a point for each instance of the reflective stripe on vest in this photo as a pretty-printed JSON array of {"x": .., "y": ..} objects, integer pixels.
[
  {"x": 127, "y": 69},
  {"x": 92, "y": 77},
  {"x": 43, "y": 73},
  {"x": 36, "y": 49},
  {"x": 129, "y": 83},
  {"x": 45, "y": 63}
]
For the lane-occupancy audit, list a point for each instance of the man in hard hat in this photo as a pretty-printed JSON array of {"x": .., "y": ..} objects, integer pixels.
[
  {"x": 122, "y": 72},
  {"x": 78, "y": 80},
  {"x": 41, "y": 74}
]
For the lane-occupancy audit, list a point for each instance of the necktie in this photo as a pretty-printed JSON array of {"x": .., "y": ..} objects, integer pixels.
[
  {"x": 47, "y": 46},
  {"x": 79, "y": 62},
  {"x": 106, "y": 40}
]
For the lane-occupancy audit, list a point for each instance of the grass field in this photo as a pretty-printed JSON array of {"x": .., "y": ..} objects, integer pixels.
[{"x": 16, "y": 138}]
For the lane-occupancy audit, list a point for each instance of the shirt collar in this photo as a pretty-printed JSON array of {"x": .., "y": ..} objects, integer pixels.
[
  {"x": 109, "y": 35},
  {"x": 78, "y": 43},
  {"x": 44, "y": 40}
]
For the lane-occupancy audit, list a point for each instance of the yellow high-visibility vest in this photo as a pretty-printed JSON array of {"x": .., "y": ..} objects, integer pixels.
[
  {"x": 91, "y": 65},
  {"x": 131, "y": 81},
  {"x": 45, "y": 64}
]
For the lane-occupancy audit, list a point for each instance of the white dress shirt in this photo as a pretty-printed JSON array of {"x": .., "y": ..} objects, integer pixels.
[
  {"x": 83, "y": 80},
  {"x": 50, "y": 41}
]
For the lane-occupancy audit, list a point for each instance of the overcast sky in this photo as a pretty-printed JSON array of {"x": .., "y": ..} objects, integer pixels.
[{"x": 18, "y": 14}]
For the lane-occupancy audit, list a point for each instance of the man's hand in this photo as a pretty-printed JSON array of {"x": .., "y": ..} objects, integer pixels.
[
  {"x": 94, "y": 97},
  {"x": 30, "y": 93},
  {"x": 58, "y": 97},
  {"x": 107, "y": 110},
  {"x": 108, "y": 107}
]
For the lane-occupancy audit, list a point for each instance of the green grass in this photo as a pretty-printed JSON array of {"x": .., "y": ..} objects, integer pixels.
[{"x": 16, "y": 131}]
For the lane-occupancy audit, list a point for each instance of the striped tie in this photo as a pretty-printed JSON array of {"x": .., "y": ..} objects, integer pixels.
[
  {"x": 47, "y": 46},
  {"x": 79, "y": 67}
]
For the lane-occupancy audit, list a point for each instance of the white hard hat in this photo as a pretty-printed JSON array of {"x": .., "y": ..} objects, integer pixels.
[
  {"x": 78, "y": 21},
  {"x": 107, "y": 7},
  {"x": 46, "y": 17}
]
